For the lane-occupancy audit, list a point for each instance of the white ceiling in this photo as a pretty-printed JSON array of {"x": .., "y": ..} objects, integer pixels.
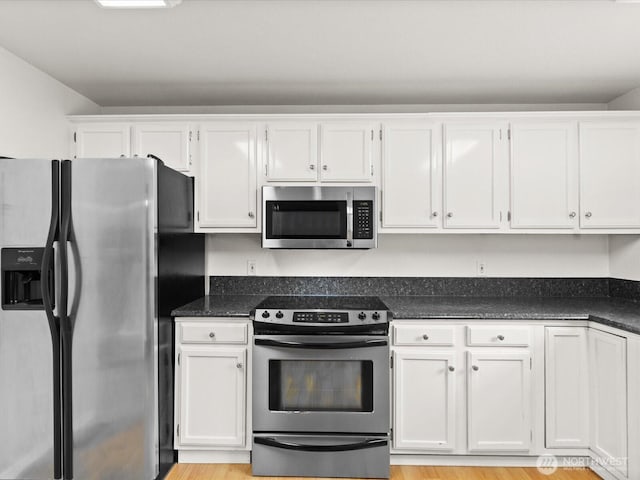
[{"x": 267, "y": 52}]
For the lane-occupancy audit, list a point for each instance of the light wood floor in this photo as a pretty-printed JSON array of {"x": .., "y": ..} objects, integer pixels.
[{"x": 186, "y": 471}]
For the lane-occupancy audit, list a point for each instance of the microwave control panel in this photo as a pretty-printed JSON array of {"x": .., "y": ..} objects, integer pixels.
[{"x": 362, "y": 219}]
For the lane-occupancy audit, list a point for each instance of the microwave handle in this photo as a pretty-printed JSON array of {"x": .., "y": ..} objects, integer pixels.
[{"x": 349, "y": 219}]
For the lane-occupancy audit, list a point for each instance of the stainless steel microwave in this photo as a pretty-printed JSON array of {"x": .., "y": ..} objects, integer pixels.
[{"x": 319, "y": 217}]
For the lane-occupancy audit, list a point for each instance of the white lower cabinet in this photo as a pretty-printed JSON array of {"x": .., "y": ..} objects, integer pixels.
[
  {"x": 608, "y": 413},
  {"x": 425, "y": 399},
  {"x": 442, "y": 393},
  {"x": 212, "y": 364},
  {"x": 498, "y": 401}
]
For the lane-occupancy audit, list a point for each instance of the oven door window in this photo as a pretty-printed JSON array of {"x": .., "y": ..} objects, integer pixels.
[
  {"x": 316, "y": 219},
  {"x": 321, "y": 385}
]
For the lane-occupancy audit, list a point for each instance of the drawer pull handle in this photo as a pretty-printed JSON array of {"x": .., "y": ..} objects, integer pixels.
[
  {"x": 212, "y": 335},
  {"x": 425, "y": 337},
  {"x": 500, "y": 337},
  {"x": 452, "y": 368},
  {"x": 475, "y": 368}
]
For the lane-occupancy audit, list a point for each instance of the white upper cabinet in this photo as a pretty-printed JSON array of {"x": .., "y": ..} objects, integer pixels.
[
  {"x": 610, "y": 175},
  {"x": 411, "y": 175},
  {"x": 474, "y": 175},
  {"x": 227, "y": 180},
  {"x": 291, "y": 152},
  {"x": 544, "y": 175},
  {"x": 103, "y": 140},
  {"x": 346, "y": 151},
  {"x": 171, "y": 142}
]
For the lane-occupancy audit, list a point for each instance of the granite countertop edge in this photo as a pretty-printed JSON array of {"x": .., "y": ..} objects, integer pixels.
[{"x": 616, "y": 313}]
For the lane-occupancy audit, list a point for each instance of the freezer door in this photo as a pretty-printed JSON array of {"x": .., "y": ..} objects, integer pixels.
[
  {"x": 26, "y": 378},
  {"x": 112, "y": 275}
]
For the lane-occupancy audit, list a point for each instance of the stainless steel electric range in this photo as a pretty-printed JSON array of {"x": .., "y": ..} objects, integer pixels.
[{"x": 321, "y": 387}]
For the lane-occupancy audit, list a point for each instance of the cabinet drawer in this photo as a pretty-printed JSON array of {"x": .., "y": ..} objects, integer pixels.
[
  {"x": 422, "y": 335},
  {"x": 497, "y": 335},
  {"x": 213, "y": 333}
]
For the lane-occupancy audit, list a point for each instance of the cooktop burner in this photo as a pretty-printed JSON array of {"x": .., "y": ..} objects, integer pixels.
[{"x": 312, "y": 302}]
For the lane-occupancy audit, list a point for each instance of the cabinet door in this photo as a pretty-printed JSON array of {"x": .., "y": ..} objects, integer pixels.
[
  {"x": 566, "y": 387},
  {"x": 212, "y": 396},
  {"x": 544, "y": 175},
  {"x": 424, "y": 400},
  {"x": 608, "y": 365},
  {"x": 292, "y": 152},
  {"x": 411, "y": 156},
  {"x": 227, "y": 180},
  {"x": 169, "y": 142},
  {"x": 473, "y": 176},
  {"x": 609, "y": 175},
  {"x": 345, "y": 152},
  {"x": 103, "y": 140},
  {"x": 498, "y": 404}
]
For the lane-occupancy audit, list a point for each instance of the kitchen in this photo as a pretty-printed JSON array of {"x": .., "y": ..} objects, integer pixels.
[{"x": 464, "y": 251}]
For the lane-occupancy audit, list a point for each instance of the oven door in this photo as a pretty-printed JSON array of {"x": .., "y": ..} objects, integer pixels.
[{"x": 329, "y": 384}]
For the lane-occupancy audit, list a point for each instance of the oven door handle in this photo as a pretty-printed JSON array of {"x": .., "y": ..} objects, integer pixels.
[
  {"x": 272, "y": 442},
  {"x": 321, "y": 346}
]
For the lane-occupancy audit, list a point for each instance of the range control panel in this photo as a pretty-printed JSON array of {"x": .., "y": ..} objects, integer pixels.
[
  {"x": 362, "y": 219},
  {"x": 321, "y": 317}
]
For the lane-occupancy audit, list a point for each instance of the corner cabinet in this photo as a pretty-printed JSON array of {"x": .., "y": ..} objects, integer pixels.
[
  {"x": 226, "y": 185},
  {"x": 212, "y": 365}
]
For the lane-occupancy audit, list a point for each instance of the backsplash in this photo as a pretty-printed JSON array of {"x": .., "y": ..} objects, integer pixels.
[{"x": 427, "y": 286}]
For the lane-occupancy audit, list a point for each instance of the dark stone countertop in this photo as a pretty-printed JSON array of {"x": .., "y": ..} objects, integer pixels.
[{"x": 614, "y": 312}]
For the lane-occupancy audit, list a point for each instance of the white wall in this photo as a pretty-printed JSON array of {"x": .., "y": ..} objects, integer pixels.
[
  {"x": 628, "y": 101},
  {"x": 420, "y": 255},
  {"x": 33, "y": 106}
]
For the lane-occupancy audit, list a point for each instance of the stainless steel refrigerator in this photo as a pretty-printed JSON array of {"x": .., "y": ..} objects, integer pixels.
[{"x": 95, "y": 255}]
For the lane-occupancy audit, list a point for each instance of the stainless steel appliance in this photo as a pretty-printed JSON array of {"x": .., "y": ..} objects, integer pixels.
[
  {"x": 321, "y": 387},
  {"x": 95, "y": 255},
  {"x": 319, "y": 217}
]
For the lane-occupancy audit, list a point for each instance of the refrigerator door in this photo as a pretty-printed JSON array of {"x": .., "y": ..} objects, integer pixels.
[
  {"x": 26, "y": 377},
  {"x": 112, "y": 285}
]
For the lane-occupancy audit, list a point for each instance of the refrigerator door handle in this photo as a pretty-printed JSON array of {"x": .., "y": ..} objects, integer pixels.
[
  {"x": 54, "y": 321},
  {"x": 66, "y": 326}
]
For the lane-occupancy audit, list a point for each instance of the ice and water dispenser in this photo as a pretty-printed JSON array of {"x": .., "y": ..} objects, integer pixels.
[{"x": 21, "y": 278}]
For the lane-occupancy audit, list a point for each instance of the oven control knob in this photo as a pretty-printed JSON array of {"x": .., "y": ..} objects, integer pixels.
[
  {"x": 279, "y": 315},
  {"x": 265, "y": 314},
  {"x": 362, "y": 315},
  {"x": 375, "y": 316}
]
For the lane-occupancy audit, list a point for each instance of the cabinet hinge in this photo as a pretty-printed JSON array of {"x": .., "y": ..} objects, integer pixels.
[
  {"x": 391, "y": 434},
  {"x": 372, "y": 170},
  {"x": 178, "y": 431},
  {"x": 380, "y": 134},
  {"x": 380, "y": 216},
  {"x": 531, "y": 435},
  {"x": 530, "y": 363},
  {"x": 509, "y": 134},
  {"x": 198, "y": 215},
  {"x": 372, "y": 135},
  {"x": 74, "y": 137},
  {"x": 390, "y": 362},
  {"x": 266, "y": 135},
  {"x": 198, "y": 135},
  {"x": 190, "y": 135},
  {"x": 178, "y": 359},
  {"x": 509, "y": 216}
]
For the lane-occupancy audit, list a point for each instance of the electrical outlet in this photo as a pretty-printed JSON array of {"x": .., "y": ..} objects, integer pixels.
[
  {"x": 251, "y": 267},
  {"x": 481, "y": 268}
]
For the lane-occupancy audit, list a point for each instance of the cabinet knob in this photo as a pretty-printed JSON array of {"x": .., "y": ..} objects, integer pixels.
[
  {"x": 452, "y": 368},
  {"x": 324, "y": 167},
  {"x": 572, "y": 215},
  {"x": 312, "y": 167},
  {"x": 212, "y": 335},
  {"x": 122, "y": 156},
  {"x": 588, "y": 214},
  {"x": 475, "y": 368},
  {"x": 500, "y": 337},
  {"x": 434, "y": 214},
  {"x": 238, "y": 365},
  {"x": 251, "y": 215},
  {"x": 425, "y": 337},
  {"x": 450, "y": 214}
]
